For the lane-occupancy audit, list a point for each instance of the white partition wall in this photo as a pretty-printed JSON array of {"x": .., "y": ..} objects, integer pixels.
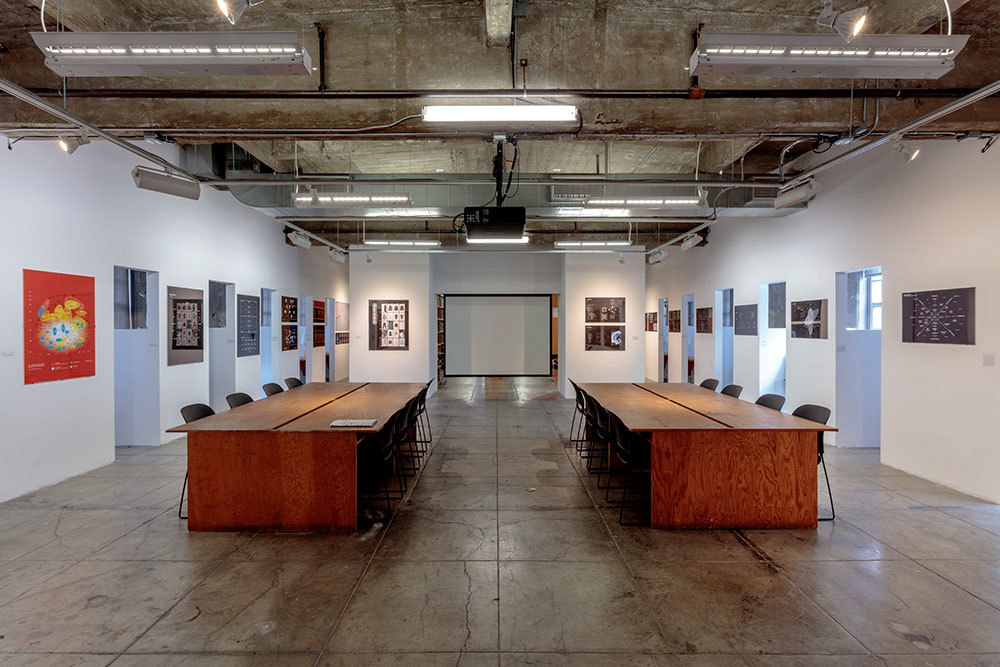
[{"x": 498, "y": 334}]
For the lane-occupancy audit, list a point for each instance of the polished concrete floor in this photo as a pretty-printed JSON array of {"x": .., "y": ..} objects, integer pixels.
[{"x": 504, "y": 553}]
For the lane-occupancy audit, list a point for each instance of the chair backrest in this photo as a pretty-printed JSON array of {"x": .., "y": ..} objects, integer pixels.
[
  {"x": 272, "y": 388},
  {"x": 710, "y": 383},
  {"x": 292, "y": 383},
  {"x": 238, "y": 399},
  {"x": 773, "y": 401},
  {"x": 579, "y": 396},
  {"x": 815, "y": 413},
  {"x": 196, "y": 411},
  {"x": 733, "y": 390}
]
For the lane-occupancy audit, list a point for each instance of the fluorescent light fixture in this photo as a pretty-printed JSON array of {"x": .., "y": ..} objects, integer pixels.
[
  {"x": 908, "y": 152},
  {"x": 691, "y": 241},
  {"x": 848, "y": 24},
  {"x": 324, "y": 200},
  {"x": 566, "y": 212},
  {"x": 70, "y": 144},
  {"x": 797, "y": 195},
  {"x": 592, "y": 244},
  {"x": 338, "y": 256},
  {"x": 168, "y": 184},
  {"x": 173, "y": 53},
  {"x": 419, "y": 243},
  {"x": 654, "y": 202},
  {"x": 233, "y": 9},
  {"x": 299, "y": 239},
  {"x": 489, "y": 241},
  {"x": 826, "y": 56},
  {"x": 501, "y": 113}
]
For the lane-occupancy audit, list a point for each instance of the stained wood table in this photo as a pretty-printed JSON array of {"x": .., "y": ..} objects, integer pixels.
[
  {"x": 277, "y": 465},
  {"x": 717, "y": 461}
]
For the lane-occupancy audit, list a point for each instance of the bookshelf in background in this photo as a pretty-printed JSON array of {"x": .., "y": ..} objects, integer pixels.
[{"x": 440, "y": 340}]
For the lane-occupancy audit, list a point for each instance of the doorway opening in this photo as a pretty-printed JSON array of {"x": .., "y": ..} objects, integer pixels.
[
  {"x": 724, "y": 336},
  {"x": 773, "y": 339},
  {"x": 269, "y": 329},
  {"x": 221, "y": 343},
  {"x": 859, "y": 357},
  {"x": 137, "y": 357},
  {"x": 663, "y": 344},
  {"x": 687, "y": 338}
]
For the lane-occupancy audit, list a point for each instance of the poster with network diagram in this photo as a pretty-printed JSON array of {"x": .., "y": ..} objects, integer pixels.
[
  {"x": 940, "y": 316},
  {"x": 185, "y": 326},
  {"x": 247, "y": 325},
  {"x": 605, "y": 309},
  {"x": 388, "y": 324},
  {"x": 809, "y": 319}
]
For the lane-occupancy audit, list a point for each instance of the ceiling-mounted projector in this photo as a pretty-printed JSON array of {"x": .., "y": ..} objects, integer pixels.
[{"x": 494, "y": 224}]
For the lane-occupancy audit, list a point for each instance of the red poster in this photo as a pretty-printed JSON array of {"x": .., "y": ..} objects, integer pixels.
[{"x": 58, "y": 326}]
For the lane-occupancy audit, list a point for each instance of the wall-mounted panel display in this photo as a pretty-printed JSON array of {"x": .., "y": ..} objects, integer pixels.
[
  {"x": 746, "y": 320},
  {"x": 388, "y": 324},
  {"x": 290, "y": 309},
  {"x": 674, "y": 321},
  {"x": 703, "y": 320},
  {"x": 247, "y": 325},
  {"x": 58, "y": 326},
  {"x": 289, "y": 337},
  {"x": 605, "y": 338},
  {"x": 341, "y": 316},
  {"x": 940, "y": 316},
  {"x": 319, "y": 335},
  {"x": 341, "y": 338},
  {"x": 605, "y": 309},
  {"x": 809, "y": 319},
  {"x": 319, "y": 312},
  {"x": 185, "y": 326},
  {"x": 650, "y": 321},
  {"x": 776, "y": 317}
]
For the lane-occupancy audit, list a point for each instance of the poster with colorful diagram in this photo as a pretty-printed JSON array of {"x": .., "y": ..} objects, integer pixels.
[{"x": 58, "y": 326}]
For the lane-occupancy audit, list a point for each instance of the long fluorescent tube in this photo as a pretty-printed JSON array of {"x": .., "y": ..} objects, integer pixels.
[
  {"x": 826, "y": 56},
  {"x": 173, "y": 53},
  {"x": 592, "y": 212},
  {"x": 321, "y": 200},
  {"x": 649, "y": 202},
  {"x": 168, "y": 184},
  {"x": 488, "y": 241},
  {"x": 501, "y": 113},
  {"x": 395, "y": 243},
  {"x": 592, "y": 244}
]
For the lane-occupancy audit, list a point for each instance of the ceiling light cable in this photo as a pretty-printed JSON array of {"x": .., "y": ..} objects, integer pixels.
[
  {"x": 44, "y": 29},
  {"x": 947, "y": 8}
]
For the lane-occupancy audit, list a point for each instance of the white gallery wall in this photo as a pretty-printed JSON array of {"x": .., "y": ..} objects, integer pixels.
[
  {"x": 930, "y": 224},
  {"x": 82, "y": 214}
]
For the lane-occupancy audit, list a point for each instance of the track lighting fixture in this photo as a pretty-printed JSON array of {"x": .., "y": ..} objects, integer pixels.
[
  {"x": 848, "y": 24},
  {"x": 299, "y": 239},
  {"x": 657, "y": 256},
  {"x": 338, "y": 255},
  {"x": 233, "y": 9},
  {"x": 691, "y": 241},
  {"x": 70, "y": 144},
  {"x": 166, "y": 183},
  {"x": 908, "y": 152}
]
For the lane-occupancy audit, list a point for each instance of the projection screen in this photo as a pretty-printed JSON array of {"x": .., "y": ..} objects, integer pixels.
[{"x": 498, "y": 334}]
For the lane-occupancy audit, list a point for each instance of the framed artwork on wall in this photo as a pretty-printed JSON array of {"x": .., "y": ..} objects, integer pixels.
[
  {"x": 809, "y": 319},
  {"x": 674, "y": 324},
  {"x": 341, "y": 316},
  {"x": 247, "y": 325},
  {"x": 776, "y": 316},
  {"x": 388, "y": 324},
  {"x": 605, "y": 309},
  {"x": 319, "y": 335},
  {"x": 940, "y": 316},
  {"x": 341, "y": 338},
  {"x": 606, "y": 338},
  {"x": 290, "y": 309},
  {"x": 703, "y": 320},
  {"x": 216, "y": 305},
  {"x": 319, "y": 312},
  {"x": 746, "y": 320},
  {"x": 650, "y": 321},
  {"x": 185, "y": 326},
  {"x": 289, "y": 337},
  {"x": 58, "y": 326}
]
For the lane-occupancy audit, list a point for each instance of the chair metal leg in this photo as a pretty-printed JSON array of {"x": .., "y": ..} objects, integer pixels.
[
  {"x": 180, "y": 505},
  {"x": 833, "y": 511}
]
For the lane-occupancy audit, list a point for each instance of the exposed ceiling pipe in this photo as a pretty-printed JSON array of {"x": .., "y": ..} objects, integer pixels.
[
  {"x": 24, "y": 95},
  {"x": 610, "y": 179},
  {"x": 951, "y": 107},
  {"x": 504, "y": 93}
]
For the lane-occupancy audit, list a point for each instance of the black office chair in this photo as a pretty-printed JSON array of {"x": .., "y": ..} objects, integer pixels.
[
  {"x": 238, "y": 399},
  {"x": 817, "y": 413},
  {"x": 711, "y": 384},
  {"x": 424, "y": 437},
  {"x": 377, "y": 461},
  {"x": 577, "y": 428},
  {"x": 292, "y": 383},
  {"x": 632, "y": 451},
  {"x": 773, "y": 401},
  {"x": 191, "y": 413},
  {"x": 272, "y": 388},
  {"x": 733, "y": 390}
]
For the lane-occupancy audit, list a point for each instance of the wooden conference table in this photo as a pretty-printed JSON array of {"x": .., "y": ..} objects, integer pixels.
[
  {"x": 277, "y": 465},
  {"x": 718, "y": 461}
]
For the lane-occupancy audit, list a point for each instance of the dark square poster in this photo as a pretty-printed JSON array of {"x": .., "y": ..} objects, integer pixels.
[
  {"x": 605, "y": 309},
  {"x": 809, "y": 319},
  {"x": 608, "y": 338},
  {"x": 746, "y": 320}
]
